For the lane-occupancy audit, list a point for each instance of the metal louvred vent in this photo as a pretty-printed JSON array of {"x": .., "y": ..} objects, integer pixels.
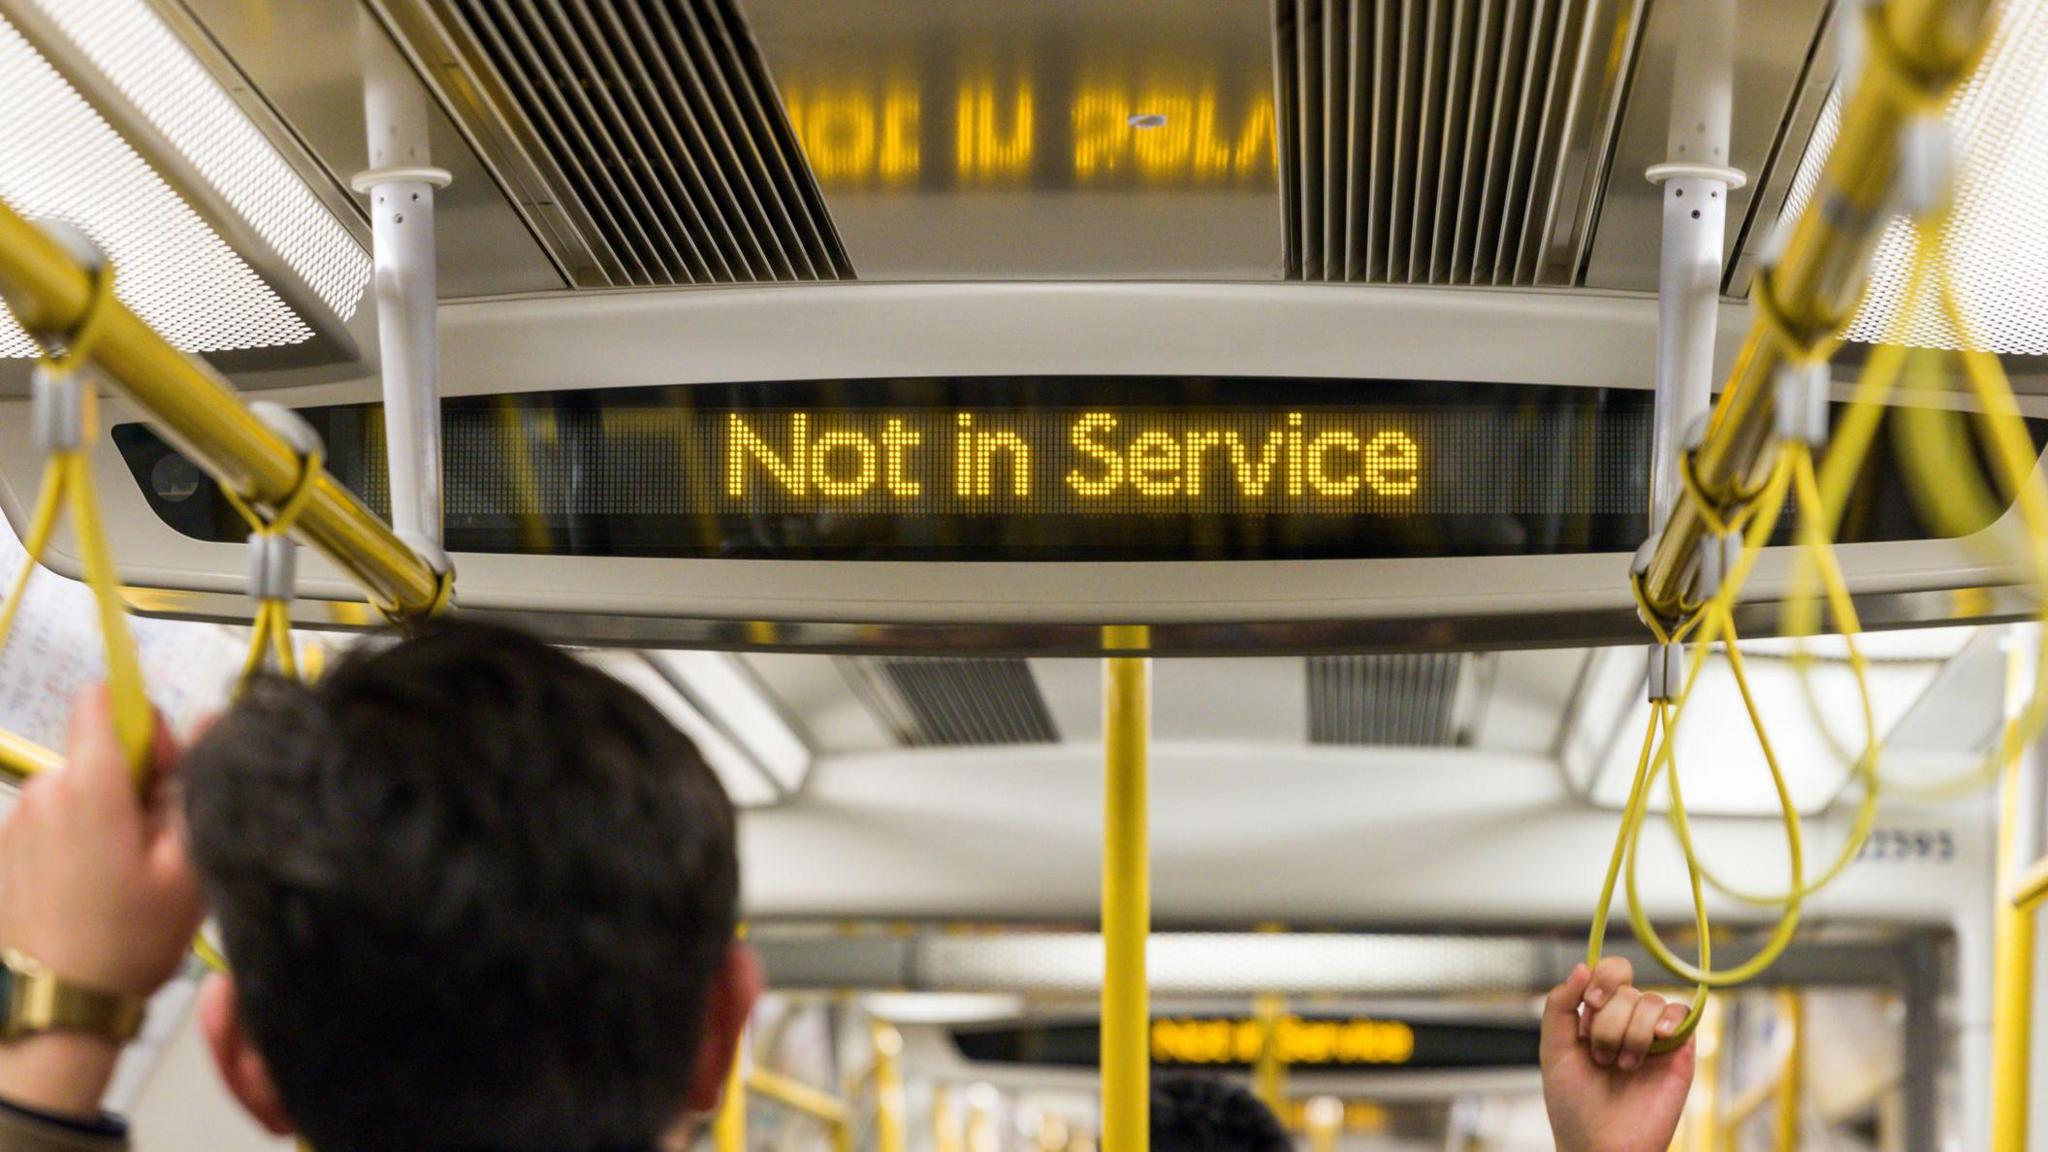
[
  {"x": 1402, "y": 700},
  {"x": 946, "y": 702},
  {"x": 1446, "y": 141},
  {"x": 659, "y": 146}
]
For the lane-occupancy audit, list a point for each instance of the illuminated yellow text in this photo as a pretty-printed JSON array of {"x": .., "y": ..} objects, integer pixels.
[
  {"x": 1327, "y": 463},
  {"x": 1200, "y": 142},
  {"x": 857, "y": 137},
  {"x": 841, "y": 463},
  {"x": 1093, "y": 461},
  {"x": 993, "y": 132},
  {"x": 1005, "y": 133},
  {"x": 976, "y": 453},
  {"x": 1295, "y": 1041}
]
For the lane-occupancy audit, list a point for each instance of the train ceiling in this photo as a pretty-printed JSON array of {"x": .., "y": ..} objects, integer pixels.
[{"x": 615, "y": 143}]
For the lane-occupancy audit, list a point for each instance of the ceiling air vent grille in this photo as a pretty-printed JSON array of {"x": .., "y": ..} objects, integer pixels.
[
  {"x": 1446, "y": 141},
  {"x": 1404, "y": 700},
  {"x": 657, "y": 140},
  {"x": 945, "y": 702}
]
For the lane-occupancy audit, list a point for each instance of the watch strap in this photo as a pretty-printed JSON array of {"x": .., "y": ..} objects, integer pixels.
[{"x": 41, "y": 1001}]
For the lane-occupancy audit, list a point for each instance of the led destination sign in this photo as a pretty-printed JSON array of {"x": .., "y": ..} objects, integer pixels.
[
  {"x": 1091, "y": 462},
  {"x": 1323, "y": 1043},
  {"x": 1003, "y": 468}
]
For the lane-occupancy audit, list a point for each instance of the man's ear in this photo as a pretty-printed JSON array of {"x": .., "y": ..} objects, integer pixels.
[
  {"x": 241, "y": 1067},
  {"x": 733, "y": 992}
]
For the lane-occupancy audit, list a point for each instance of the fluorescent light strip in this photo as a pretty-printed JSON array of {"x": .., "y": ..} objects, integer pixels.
[
  {"x": 1225, "y": 963},
  {"x": 1998, "y": 240},
  {"x": 157, "y": 74},
  {"x": 724, "y": 692},
  {"x": 744, "y": 780}
]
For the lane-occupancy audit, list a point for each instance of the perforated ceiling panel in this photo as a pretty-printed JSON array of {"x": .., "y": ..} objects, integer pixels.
[
  {"x": 1997, "y": 243},
  {"x": 157, "y": 74},
  {"x": 60, "y": 159}
]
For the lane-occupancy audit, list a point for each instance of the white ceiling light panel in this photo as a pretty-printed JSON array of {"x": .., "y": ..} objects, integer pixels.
[
  {"x": 63, "y": 157},
  {"x": 1998, "y": 240}
]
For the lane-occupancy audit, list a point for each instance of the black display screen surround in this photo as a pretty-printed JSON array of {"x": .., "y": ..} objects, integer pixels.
[{"x": 1007, "y": 469}]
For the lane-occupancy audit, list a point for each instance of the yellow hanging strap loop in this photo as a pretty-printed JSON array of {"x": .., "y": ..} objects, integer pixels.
[
  {"x": 1757, "y": 520},
  {"x": 273, "y": 556},
  {"x": 65, "y": 413}
]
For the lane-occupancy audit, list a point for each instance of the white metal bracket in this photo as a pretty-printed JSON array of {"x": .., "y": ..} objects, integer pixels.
[
  {"x": 401, "y": 183},
  {"x": 1696, "y": 180}
]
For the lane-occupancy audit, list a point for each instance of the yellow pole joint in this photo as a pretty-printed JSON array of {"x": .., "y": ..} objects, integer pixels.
[
  {"x": 889, "y": 1097},
  {"x": 1269, "y": 1075},
  {"x": 1126, "y": 896},
  {"x": 48, "y": 291}
]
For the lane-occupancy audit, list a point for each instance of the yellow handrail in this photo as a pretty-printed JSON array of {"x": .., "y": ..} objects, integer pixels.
[
  {"x": 805, "y": 1100},
  {"x": 23, "y": 758},
  {"x": 1126, "y": 896},
  {"x": 1813, "y": 286},
  {"x": 729, "y": 1129},
  {"x": 2032, "y": 888},
  {"x": 203, "y": 416}
]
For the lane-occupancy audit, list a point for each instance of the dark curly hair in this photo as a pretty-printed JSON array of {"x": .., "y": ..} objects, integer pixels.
[
  {"x": 475, "y": 893},
  {"x": 1191, "y": 1114}
]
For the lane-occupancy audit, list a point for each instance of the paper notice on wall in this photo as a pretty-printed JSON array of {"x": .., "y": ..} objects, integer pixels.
[{"x": 55, "y": 651}]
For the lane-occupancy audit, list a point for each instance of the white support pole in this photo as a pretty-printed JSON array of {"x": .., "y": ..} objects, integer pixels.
[
  {"x": 400, "y": 184},
  {"x": 1696, "y": 179}
]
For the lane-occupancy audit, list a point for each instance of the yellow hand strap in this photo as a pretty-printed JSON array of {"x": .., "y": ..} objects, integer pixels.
[
  {"x": 270, "y": 633},
  {"x": 65, "y": 417}
]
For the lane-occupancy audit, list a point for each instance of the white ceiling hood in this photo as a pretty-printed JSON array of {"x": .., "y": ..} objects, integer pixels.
[
  {"x": 116, "y": 127},
  {"x": 1721, "y": 764}
]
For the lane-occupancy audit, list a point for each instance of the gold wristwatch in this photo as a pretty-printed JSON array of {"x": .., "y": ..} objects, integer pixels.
[{"x": 39, "y": 1000}]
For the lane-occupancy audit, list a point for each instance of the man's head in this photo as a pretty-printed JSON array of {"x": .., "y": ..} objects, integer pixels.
[
  {"x": 477, "y": 895},
  {"x": 1191, "y": 1114}
]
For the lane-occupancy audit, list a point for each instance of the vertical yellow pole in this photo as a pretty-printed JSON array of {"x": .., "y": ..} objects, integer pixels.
[
  {"x": 2012, "y": 1006},
  {"x": 1126, "y": 897},
  {"x": 1269, "y": 1076},
  {"x": 1792, "y": 1012},
  {"x": 889, "y": 1105},
  {"x": 1325, "y": 1123},
  {"x": 946, "y": 1127},
  {"x": 729, "y": 1131}
]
